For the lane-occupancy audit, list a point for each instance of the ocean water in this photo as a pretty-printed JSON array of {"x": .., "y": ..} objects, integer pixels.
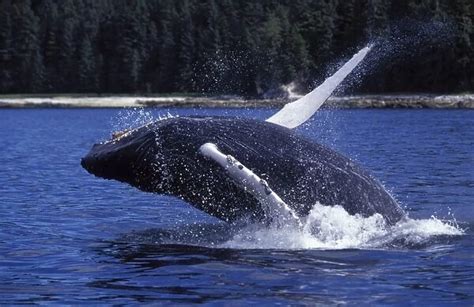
[{"x": 67, "y": 237}]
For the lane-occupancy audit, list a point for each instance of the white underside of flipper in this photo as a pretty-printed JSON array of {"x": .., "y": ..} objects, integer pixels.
[
  {"x": 296, "y": 113},
  {"x": 275, "y": 208}
]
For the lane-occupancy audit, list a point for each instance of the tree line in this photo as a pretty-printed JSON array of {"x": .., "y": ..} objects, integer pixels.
[{"x": 242, "y": 47}]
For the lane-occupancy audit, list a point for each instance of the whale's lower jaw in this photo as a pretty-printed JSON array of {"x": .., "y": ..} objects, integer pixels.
[{"x": 164, "y": 158}]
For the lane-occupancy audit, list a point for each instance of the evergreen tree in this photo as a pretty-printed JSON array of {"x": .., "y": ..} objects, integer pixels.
[
  {"x": 320, "y": 33},
  {"x": 212, "y": 39},
  {"x": 151, "y": 62},
  {"x": 132, "y": 50},
  {"x": 168, "y": 47},
  {"x": 297, "y": 57},
  {"x": 87, "y": 67},
  {"x": 65, "y": 64},
  {"x": 6, "y": 50},
  {"x": 463, "y": 45},
  {"x": 186, "y": 58},
  {"x": 271, "y": 40},
  {"x": 377, "y": 18},
  {"x": 346, "y": 25},
  {"x": 48, "y": 15},
  {"x": 28, "y": 60},
  {"x": 37, "y": 71},
  {"x": 229, "y": 24}
]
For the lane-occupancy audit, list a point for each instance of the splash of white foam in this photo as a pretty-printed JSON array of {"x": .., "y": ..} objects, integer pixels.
[
  {"x": 290, "y": 89},
  {"x": 130, "y": 119},
  {"x": 333, "y": 228}
]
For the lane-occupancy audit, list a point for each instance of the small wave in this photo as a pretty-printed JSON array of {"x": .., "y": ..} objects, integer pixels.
[{"x": 333, "y": 228}]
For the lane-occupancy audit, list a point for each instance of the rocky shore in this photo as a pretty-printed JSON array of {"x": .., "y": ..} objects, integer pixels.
[
  {"x": 368, "y": 101},
  {"x": 404, "y": 101}
]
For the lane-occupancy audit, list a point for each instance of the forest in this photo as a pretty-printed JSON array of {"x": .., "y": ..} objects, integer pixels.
[{"x": 238, "y": 47}]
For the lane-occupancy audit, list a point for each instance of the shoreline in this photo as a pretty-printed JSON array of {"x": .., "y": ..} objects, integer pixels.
[{"x": 464, "y": 101}]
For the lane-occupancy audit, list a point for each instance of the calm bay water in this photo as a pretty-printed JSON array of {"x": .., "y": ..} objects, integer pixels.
[{"x": 69, "y": 238}]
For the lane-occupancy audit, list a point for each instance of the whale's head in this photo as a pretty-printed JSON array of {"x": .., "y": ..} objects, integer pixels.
[
  {"x": 137, "y": 156},
  {"x": 162, "y": 156}
]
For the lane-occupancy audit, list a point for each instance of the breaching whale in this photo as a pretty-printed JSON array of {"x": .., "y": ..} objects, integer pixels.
[{"x": 241, "y": 168}]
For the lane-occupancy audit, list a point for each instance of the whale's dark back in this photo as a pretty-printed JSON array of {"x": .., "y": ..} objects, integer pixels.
[{"x": 164, "y": 157}]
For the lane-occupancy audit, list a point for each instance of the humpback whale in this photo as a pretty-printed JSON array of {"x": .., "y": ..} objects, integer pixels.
[{"x": 239, "y": 168}]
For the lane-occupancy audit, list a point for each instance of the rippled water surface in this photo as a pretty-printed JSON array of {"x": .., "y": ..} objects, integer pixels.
[{"x": 68, "y": 237}]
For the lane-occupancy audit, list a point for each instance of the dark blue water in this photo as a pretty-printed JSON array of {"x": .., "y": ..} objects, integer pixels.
[{"x": 67, "y": 237}]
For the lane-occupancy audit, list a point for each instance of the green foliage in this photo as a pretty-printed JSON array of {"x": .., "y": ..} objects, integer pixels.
[
  {"x": 222, "y": 46},
  {"x": 6, "y": 47},
  {"x": 28, "y": 62},
  {"x": 87, "y": 67},
  {"x": 185, "y": 48}
]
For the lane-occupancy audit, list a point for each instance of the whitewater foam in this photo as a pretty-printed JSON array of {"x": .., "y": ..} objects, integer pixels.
[
  {"x": 333, "y": 228},
  {"x": 130, "y": 119}
]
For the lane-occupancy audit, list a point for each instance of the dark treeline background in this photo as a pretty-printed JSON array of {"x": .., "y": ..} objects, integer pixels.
[{"x": 240, "y": 47}]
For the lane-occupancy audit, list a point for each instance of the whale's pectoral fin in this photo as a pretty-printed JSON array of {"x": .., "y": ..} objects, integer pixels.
[
  {"x": 275, "y": 208},
  {"x": 296, "y": 113}
]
